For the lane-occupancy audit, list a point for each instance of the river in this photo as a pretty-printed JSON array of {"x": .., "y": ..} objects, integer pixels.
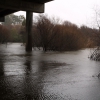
[{"x": 47, "y": 76}]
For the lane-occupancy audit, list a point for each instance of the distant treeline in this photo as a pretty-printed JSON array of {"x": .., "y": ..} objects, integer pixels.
[{"x": 52, "y": 35}]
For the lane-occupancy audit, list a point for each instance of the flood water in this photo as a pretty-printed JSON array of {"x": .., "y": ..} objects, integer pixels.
[{"x": 47, "y": 76}]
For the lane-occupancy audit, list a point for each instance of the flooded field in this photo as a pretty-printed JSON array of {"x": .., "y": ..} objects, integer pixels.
[{"x": 47, "y": 76}]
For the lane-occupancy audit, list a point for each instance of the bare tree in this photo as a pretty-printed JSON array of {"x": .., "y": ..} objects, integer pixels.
[
  {"x": 96, "y": 53},
  {"x": 44, "y": 31}
]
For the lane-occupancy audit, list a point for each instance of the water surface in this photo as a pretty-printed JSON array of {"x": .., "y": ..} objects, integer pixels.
[{"x": 47, "y": 76}]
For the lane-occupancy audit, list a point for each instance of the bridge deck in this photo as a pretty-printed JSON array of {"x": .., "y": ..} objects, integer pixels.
[{"x": 11, "y": 6}]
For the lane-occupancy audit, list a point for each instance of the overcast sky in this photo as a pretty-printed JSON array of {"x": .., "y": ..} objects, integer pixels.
[{"x": 76, "y": 11}]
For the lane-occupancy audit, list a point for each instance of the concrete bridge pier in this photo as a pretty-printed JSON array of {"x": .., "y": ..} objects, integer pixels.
[{"x": 29, "y": 21}]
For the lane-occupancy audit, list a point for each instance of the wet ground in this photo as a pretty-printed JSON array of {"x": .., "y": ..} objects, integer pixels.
[{"x": 47, "y": 76}]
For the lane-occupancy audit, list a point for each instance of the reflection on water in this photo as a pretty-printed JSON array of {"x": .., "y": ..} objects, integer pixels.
[
  {"x": 28, "y": 67},
  {"x": 1, "y": 68},
  {"x": 49, "y": 65},
  {"x": 47, "y": 76}
]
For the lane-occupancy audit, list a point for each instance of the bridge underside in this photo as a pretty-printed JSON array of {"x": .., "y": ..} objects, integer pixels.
[
  {"x": 30, "y": 6},
  {"x": 11, "y": 6}
]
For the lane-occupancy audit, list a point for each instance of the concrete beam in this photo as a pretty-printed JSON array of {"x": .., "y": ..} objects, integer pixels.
[
  {"x": 7, "y": 12},
  {"x": 22, "y": 5},
  {"x": 2, "y": 19},
  {"x": 39, "y": 1}
]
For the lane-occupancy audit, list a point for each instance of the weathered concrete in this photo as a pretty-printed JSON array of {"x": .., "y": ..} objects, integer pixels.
[
  {"x": 22, "y": 5},
  {"x": 11, "y": 6},
  {"x": 2, "y": 19},
  {"x": 29, "y": 21}
]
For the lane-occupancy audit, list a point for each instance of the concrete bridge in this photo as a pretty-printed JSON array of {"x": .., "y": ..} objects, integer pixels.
[{"x": 30, "y": 6}]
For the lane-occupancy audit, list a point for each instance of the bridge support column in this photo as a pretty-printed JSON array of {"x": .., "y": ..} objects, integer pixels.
[{"x": 29, "y": 21}]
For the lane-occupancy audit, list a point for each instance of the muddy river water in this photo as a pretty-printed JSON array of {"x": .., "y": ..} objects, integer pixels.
[{"x": 47, "y": 76}]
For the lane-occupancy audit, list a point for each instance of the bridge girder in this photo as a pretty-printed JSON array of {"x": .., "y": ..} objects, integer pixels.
[{"x": 11, "y": 6}]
